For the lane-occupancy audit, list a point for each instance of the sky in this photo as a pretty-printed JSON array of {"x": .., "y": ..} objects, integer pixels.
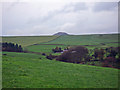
[{"x": 24, "y": 18}]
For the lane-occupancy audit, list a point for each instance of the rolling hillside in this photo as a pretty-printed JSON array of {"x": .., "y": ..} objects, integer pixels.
[
  {"x": 107, "y": 39},
  {"x": 86, "y": 39},
  {"x": 43, "y": 48},
  {"x": 89, "y": 41},
  {"x": 28, "y": 40},
  {"x": 29, "y": 70},
  {"x": 24, "y": 70}
]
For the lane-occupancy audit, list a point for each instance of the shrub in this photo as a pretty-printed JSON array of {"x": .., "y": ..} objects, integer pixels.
[
  {"x": 51, "y": 57},
  {"x": 43, "y": 54}
]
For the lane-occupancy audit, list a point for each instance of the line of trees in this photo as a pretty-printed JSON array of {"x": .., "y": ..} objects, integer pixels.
[{"x": 11, "y": 47}]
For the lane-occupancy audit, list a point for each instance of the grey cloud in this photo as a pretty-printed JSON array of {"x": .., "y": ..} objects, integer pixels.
[
  {"x": 80, "y": 6},
  {"x": 105, "y": 6},
  {"x": 66, "y": 9},
  {"x": 77, "y": 6}
]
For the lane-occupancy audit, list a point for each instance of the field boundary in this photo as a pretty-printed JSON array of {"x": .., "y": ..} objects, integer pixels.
[
  {"x": 43, "y": 42},
  {"x": 50, "y": 40}
]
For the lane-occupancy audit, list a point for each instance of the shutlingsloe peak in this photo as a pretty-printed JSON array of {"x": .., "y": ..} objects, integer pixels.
[{"x": 61, "y": 33}]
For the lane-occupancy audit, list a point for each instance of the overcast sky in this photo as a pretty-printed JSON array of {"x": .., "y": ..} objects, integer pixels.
[{"x": 47, "y": 18}]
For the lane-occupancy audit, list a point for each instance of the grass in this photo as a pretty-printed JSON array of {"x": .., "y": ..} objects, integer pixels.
[
  {"x": 44, "y": 48},
  {"x": 28, "y": 40},
  {"x": 24, "y": 70},
  {"x": 27, "y": 70},
  {"x": 86, "y": 40},
  {"x": 108, "y": 39}
]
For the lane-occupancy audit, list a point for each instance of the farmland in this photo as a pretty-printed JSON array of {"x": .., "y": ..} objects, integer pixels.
[
  {"x": 23, "y": 70},
  {"x": 28, "y": 40},
  {"x": 94, "y": 41},
  {"x": 85, "y": 39},
  {"x": 30, "y": 70},
  {"x": 43, "y": 48}
]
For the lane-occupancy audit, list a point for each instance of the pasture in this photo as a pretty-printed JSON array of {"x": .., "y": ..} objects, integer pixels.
[
  {"x": 30, "y": 70},
  {"x": 44, "y": 48},
  {"x": 24, "y": 70},
  {"x": 87, "y": 39},
  {"x": 28, "y": 40}
]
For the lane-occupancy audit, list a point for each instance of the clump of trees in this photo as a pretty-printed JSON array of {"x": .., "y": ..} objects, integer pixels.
[
  {"x": 108, "y": 57},
  {"x": 11, "y": 47},
  {"x": 74, "y": 55},
  {"x": 112, "y": 58}
]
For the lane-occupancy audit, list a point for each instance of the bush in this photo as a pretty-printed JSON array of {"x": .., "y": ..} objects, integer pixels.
[
  {"x": 43, "y": 54},
  {"x": 74, "y": 55},
  {"x": 51, "y": 57}
]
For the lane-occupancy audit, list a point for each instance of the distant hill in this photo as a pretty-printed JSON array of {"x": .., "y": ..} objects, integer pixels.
[
  {"x": 61, "y": 33},
  {"x": 110, "y": 40}
]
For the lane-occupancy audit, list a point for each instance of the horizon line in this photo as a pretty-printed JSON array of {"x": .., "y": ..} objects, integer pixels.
[{"x": 60, "y": 35}]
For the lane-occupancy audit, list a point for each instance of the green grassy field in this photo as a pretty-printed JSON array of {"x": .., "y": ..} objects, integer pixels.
[
  {"x": 28, "y": 40},
  {"x": 24, "y": 70},
  {"x": 44, "y": 48},
  {"x": 71, "y": 40},
  {"x": 86, "y": 39},
  {"x": 27, "y": 70}
]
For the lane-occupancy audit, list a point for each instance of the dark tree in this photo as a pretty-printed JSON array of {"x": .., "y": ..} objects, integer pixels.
[
  {"x": 11, "y": 47},
  {"x": 20, "y": 48},
  {"x": 96, "y": 53}
]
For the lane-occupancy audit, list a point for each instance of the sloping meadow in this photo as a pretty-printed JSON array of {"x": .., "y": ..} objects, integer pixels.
[
  {"x": 24, "y": 70},
  {"x": 29, "y": 70},
  {"x": 88, "y": 41},
  {"x": 28, "y": 40},
  {"x": 97, "y": 39}
]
